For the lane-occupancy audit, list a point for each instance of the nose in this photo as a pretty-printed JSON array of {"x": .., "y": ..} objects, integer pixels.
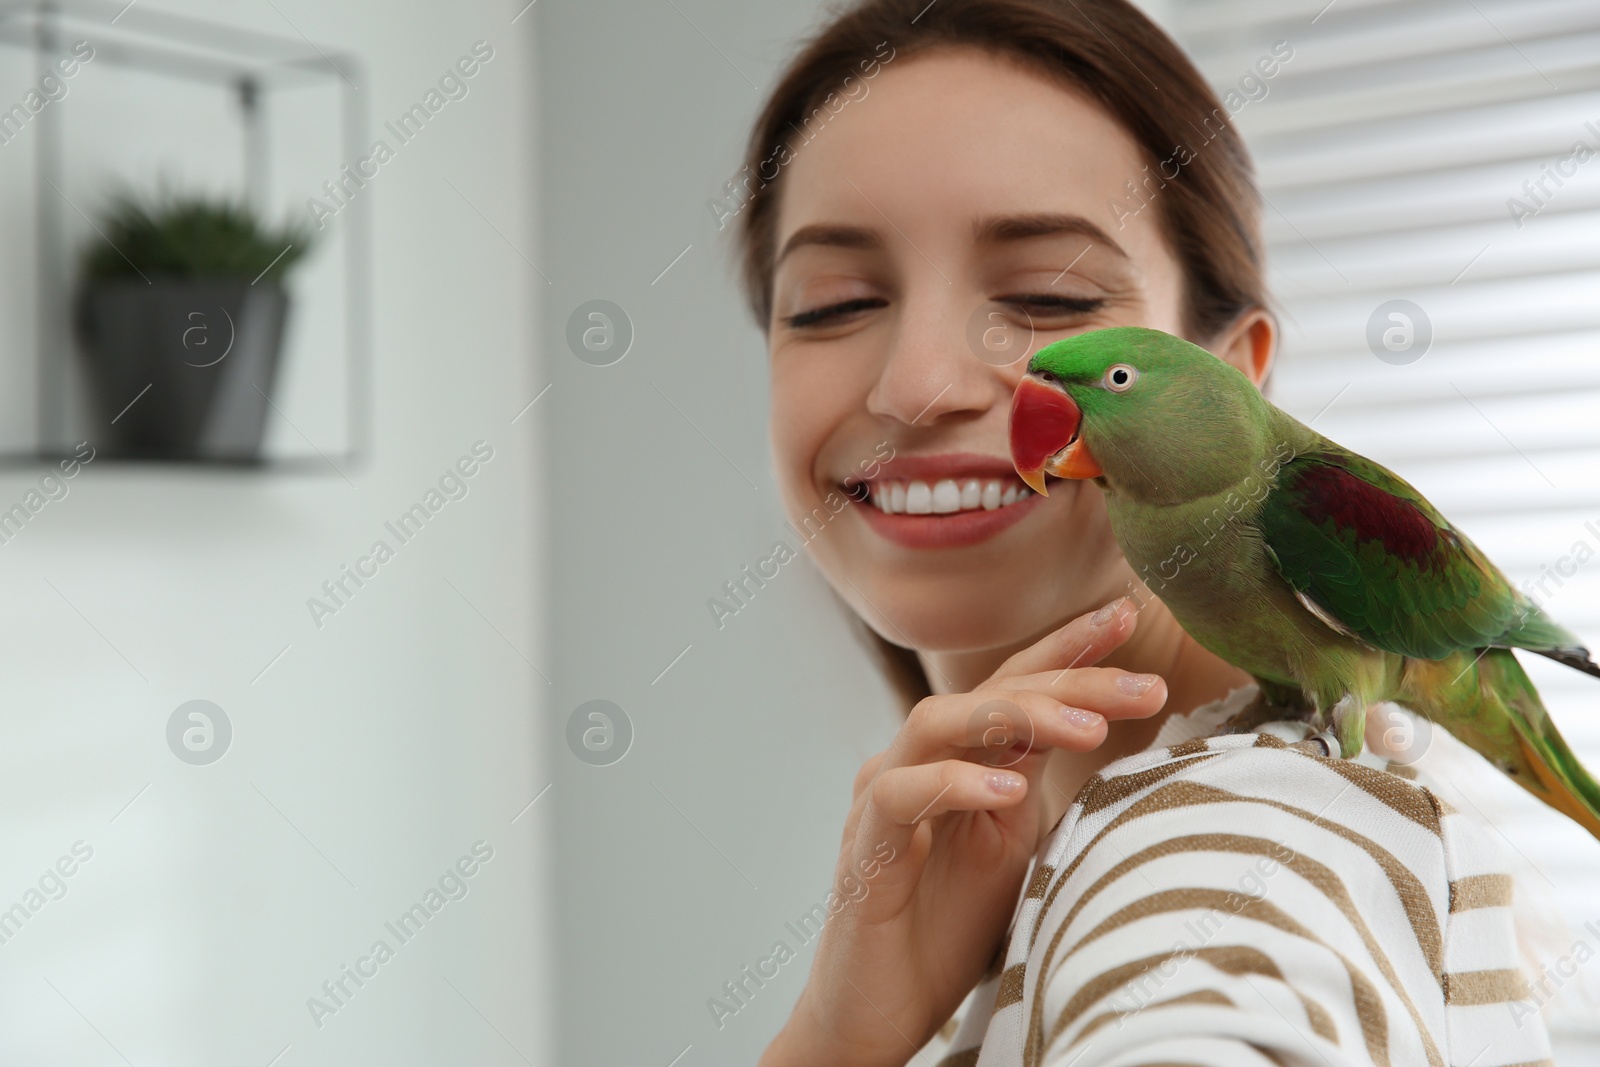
[{"x": 928, "y": 371}]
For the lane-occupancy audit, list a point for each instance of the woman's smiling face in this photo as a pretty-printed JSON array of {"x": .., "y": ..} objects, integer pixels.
[{"x": 937, "y": 231}]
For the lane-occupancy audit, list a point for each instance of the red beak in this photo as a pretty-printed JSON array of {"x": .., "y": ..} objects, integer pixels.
[{"x": 1044, "y": 420}]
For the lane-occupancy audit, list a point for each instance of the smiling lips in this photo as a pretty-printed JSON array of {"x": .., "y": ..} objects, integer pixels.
[
  {"x": 944, "y": 500},
  {"x": 965, "y": 498},
  {"x": 957, "y": 498},
  {"x": 945, "y": 496}
]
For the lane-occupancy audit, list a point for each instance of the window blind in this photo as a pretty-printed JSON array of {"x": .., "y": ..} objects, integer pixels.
[{"x": 1446, "y": 154}]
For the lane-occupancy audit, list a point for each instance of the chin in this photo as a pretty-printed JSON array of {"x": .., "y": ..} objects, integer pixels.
[
  {"x": 949, "y": 612},
  {"x": 968, "y": 635}
]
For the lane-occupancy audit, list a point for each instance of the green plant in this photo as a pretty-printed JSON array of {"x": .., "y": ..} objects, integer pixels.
[{"x": 190, "y": 235}]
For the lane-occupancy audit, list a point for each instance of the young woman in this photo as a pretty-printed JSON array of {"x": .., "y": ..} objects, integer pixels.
[{"x": 936, "y": 191}]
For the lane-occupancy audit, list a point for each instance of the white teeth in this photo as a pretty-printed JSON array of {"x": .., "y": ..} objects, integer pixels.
[
  {"x": 946, "y": 496},
  {"x": 919, "y": 499}
]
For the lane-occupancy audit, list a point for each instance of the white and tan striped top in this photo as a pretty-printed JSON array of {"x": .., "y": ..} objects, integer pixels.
[{"x": 1247, "y": 900}]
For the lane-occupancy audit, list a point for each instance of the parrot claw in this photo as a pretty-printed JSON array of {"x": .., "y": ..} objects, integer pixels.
[{"x": 1349, "y": 717}]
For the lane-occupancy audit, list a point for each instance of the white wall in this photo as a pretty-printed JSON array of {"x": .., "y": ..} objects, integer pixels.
[{"x": 378, "y": 748}]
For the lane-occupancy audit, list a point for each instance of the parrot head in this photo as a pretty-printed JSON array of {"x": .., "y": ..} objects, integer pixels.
[{"x": 1141, "y": 410}]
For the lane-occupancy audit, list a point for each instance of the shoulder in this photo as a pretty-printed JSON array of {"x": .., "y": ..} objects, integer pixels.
[
  {"x": 1254, "y": 825},
  {"x": 1252, "y": 889},
  {"x": 1277, "y": 775}
]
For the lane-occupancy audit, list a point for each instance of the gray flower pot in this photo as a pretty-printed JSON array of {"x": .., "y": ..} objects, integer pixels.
[{"x": 208, "y": 351}]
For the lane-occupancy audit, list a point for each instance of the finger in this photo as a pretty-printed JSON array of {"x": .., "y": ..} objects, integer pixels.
[
  {"x": 1109, "y": 691},
  {"x": 995, "y": 727},
  {"x": 1079, "y": 643},
  {"x": 905, "y": 796},
  {"x": 858, "y": 799},
  {"x": 864, "y": 775}
]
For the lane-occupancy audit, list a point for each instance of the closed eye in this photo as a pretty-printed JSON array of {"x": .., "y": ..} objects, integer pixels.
[
  {"x": 1045, "y": 302},
  {"x": 1054, "y": 302},
  {"x": 833, "y": 311}
]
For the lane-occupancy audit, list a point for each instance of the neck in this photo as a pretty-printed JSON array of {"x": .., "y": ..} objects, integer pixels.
[
  {"x": 1158, "y": 646},
  {"x": 1193, "y": 674}
]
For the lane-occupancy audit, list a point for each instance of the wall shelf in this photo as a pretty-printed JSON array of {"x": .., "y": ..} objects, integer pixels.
[{"x": 199, "y": 106}]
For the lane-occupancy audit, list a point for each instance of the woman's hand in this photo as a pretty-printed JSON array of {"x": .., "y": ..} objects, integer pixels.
[{"x": 940, "y": 833}]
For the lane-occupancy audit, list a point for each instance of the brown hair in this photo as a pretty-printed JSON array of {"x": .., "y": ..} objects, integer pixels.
[{"x": 1207, "y": 205}]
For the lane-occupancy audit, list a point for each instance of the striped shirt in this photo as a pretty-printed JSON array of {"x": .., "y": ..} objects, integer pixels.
[{"x": 1246, "y": 899}]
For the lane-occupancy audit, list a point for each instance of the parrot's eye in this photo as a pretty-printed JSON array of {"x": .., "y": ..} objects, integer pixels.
[{"x": 1120, "y": 377}]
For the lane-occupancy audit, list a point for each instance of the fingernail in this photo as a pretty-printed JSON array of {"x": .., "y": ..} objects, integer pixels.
[
  {"x": 1084, "y": 720},
  {"x": 1004, "y": 782},
  {"x": 1107, "y": 613},
  {"x": 1136, "y": 685}
]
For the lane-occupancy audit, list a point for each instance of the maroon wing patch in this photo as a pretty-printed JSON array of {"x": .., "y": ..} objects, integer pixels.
[{"x": 1326, "y": 492}]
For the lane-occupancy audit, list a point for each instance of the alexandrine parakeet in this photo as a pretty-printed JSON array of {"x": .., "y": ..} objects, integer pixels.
[{"x": 1324, "y": 575}]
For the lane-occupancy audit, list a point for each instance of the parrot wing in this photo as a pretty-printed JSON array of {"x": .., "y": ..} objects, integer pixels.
[{"x": 1368, "y": 554}]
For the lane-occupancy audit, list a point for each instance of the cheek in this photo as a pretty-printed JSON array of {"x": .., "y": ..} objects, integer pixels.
[
  {"x": 804, "y": 412},
  {"x": 813, "y": 393}
]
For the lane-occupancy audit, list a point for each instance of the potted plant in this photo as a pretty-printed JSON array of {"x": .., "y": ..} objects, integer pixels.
[{"x": 180, "y": 314}]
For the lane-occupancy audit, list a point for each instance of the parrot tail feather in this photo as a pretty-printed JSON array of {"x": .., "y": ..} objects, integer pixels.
[
  {"x": 1542, "y": 763},
  {"x": 1580, "y": 805},
  {"x": 1576, "y": 658}
]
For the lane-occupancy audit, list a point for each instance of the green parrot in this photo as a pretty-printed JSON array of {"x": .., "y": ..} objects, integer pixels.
[{"x": 1323, "y": 574}]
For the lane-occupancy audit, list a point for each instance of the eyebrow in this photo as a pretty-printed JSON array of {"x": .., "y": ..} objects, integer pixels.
[
  {"x": 993, "y": 229},
  {"x": 1001, "y": 229},
  {"x": 833, "y": 235}
]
